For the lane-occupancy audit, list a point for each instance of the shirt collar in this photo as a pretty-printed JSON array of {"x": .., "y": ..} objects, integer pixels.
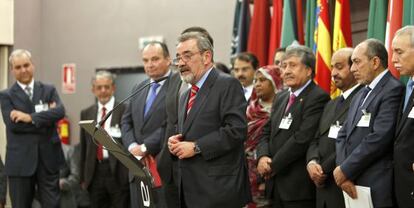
[
  {"x": 348, "y": 92},
  {"x": 377, "y": 79},
  {"x": 200, "y": 82},
  {"x": 23, "y": 86},
  {"x": 109, "y": 105},
  {"x": 298, "y": 91}
]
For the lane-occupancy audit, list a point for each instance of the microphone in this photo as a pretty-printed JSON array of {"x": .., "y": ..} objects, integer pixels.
[{"x": 127, "y": 98}]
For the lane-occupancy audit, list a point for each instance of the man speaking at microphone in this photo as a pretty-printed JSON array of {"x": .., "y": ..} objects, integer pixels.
[{"x": 144, "y": 122}]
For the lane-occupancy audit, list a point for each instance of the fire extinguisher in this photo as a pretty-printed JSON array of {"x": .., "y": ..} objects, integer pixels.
[{"x": 63, "y": 130}]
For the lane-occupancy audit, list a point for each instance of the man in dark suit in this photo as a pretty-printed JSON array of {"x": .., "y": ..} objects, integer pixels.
[
  {"x": 289, "y": 131},
  {"x": 105, "y": 178},
  {"x": 167, "y": 165},
  {"x": 364, "y": 143},
  {"x": 244, "y": 68},
  {"x": 212, "y": 128},
  {"x": 33, "y": 154},
  {"x": 144, "y": 122},
  {"x": 403, "y": 59},
  {"x": 321, "y": 152}
]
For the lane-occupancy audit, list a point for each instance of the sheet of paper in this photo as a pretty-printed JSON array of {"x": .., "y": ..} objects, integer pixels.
[{"x": 363, "y": 199}]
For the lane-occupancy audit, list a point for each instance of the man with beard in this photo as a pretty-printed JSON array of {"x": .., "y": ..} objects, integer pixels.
[
  {"x": 212, "y": 129},
  {"x": 244, "y": 68},
  {"x": 321, "y": 152}
]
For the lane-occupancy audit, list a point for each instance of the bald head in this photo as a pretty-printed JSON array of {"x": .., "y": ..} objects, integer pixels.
[{"x": 341, "y": 69}]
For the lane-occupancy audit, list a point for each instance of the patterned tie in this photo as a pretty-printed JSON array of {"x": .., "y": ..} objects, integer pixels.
[
  {"x": 365, "y": 92},
  {"x": 193, "y": 93},
  {"x": 408, "y": 92},
  {"x": 99, "y": 149},
  {"x": 151, "y": 97},
  {"x": 28, "y": 91},
  {"x": 291, "y": 101}
]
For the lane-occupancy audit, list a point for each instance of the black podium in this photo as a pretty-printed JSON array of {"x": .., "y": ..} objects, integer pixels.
[{"x": 142, "y": 175}]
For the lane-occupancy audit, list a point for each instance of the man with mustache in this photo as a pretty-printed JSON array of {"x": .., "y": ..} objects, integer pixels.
[
  {"x": 289, "y": 131},
  {"x": 364, "y": 143},
  {"x": 403, "y": 59},
  {"x": 321, "y": 152},
  {"x": 212, "y": 128},
  {"x": 244, "y": 68}
]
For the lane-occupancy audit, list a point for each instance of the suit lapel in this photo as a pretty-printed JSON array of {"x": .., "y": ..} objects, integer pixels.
[
  {"x": 19, "y": 93},
  {"x": 405, "y": 113},
  {"x": 200, "y": 99},
  {"x": 279, "y": 111},
  {"x": 141, "y": 102},
  {"x": 37, "y": 93}
]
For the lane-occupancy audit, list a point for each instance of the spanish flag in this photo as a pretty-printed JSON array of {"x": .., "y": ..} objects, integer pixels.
[
  {"x": 323, "y": 47},
  {"x": 342, "y": 33}
]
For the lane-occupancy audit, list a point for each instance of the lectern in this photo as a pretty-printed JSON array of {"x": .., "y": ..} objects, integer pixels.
[{"x": 141, "y": 174}]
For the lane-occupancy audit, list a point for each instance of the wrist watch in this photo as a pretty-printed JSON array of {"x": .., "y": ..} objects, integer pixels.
[
  {"x": 143, "y": 148},
  {"x": 197, "y": 149}
]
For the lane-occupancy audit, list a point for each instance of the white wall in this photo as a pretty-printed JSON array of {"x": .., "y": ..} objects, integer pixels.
[{"x": 104, "y": 33}]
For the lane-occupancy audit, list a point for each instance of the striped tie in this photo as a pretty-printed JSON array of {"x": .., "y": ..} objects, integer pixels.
[{"x": 193, "y": 93}]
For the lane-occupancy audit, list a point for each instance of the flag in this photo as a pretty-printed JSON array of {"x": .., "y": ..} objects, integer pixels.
[
  {"x": 241, "y": 26},
  {"x": 323, "y": 48},
  {"x": 259, "y": 31},
  {"x": 299, "y": 22},
  {"x": 288, "y": 25},
  {"x": 310, "y": 24},
  {"x": 342, "y": 33},
  {"x": 275, "y": 29},
  {"x": 394, "y": 22},
  {"x": 377, "y": 19}
]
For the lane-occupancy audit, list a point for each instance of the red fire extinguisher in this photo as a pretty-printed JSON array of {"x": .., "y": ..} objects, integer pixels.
[{"x": 63, "y": 130}]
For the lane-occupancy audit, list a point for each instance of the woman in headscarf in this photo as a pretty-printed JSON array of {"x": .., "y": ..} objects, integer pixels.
[{"x": 267, "y": 83}]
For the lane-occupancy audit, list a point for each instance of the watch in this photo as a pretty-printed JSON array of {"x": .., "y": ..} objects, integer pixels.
[
  {"x": 197, "y": 149},
  {"x": 143, "y": 148}
]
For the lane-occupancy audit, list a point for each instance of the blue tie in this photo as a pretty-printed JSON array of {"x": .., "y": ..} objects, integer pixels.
[
  {"x": 408, "y": 92},
  {"x": 151, "y": 97}
]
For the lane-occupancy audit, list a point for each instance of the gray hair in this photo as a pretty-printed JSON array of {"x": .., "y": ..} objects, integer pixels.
[
  {"x": 104, "y": 74},
  {"x": 376, "y": 48},
  {"x": 19, "y": 53},
  {"x": 203, "y": 43},
  {"x": 304, "y": 53},
  {"x": 407, "y": 30}
]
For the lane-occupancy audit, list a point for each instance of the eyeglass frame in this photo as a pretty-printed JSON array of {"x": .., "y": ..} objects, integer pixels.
[{"x": 186, "y": 57}]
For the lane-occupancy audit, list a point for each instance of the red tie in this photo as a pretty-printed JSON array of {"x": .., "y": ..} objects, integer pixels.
[
  {"x": 291, "y": 101},
  {"x": 99, "y": 150},
  {"x": 193, "y": 93}
]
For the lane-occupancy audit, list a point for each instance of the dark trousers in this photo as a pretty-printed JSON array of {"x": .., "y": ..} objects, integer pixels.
[
  {"x": 279, "y": 203},
  {"x": 22, "y": 189},
  {"x": 104, "y": 190}
]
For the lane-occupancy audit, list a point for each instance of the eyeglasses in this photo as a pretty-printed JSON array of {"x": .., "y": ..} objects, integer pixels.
[{"x": 186, "y": 57}]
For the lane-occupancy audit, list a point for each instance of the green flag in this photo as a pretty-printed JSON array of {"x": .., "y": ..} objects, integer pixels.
[
  {"x": 310, "y": 24},
  {"x": 377, "y": 19},
  {"x": 288, "y": 26}
]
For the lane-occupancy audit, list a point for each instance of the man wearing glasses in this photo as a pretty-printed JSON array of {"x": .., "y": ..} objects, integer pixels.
[{"x": 212, "y": 128}]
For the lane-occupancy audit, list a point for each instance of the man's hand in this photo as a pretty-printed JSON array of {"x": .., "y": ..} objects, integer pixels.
[
  {"x": 183, "y": 149},
  {"x": 18, "y": 116},
  {"x": 339, "y": 176},
  {"x": 136, "y": 151},
  {"x": 316, "y": 173},
  {"x": 263, "y": 167},
  {"x": 349, "y": 188},
  {"x": 52, "y": 105},
  {"x": 174, "y": 140}
]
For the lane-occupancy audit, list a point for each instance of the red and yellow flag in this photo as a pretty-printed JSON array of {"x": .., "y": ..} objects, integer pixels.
[
  {"x": 323, "y": 47},
  {"x": 342, "y": 33}
]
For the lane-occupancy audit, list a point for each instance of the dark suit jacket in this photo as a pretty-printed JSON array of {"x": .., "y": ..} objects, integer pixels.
[
  {"x": 365, "y": 153},
  {"x": 150, "y": 130},
  {"x": 88, "y": 148},
  {"x": 166, "y": 160},
  {"x": 217, "y": 123},
  {"x": 404, "y": 157},
  {"x": 322, "y": 149},
  {"x": 27, "y": 143},
  {"x": 287, "y": 148}
]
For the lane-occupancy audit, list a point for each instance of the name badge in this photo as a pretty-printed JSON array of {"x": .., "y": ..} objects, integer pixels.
[
  {"x": 411, "y": 114},
  {"x": 115, "y": 131},
  {"x": 334, "y": 130},
  {"x": 365, "y": 119},
  {"x": 41, "y": 107},
  {"x": 286, "y": 122}
]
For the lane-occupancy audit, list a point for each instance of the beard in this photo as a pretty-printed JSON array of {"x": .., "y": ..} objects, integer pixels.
[{"x": 189, "y": 78}]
